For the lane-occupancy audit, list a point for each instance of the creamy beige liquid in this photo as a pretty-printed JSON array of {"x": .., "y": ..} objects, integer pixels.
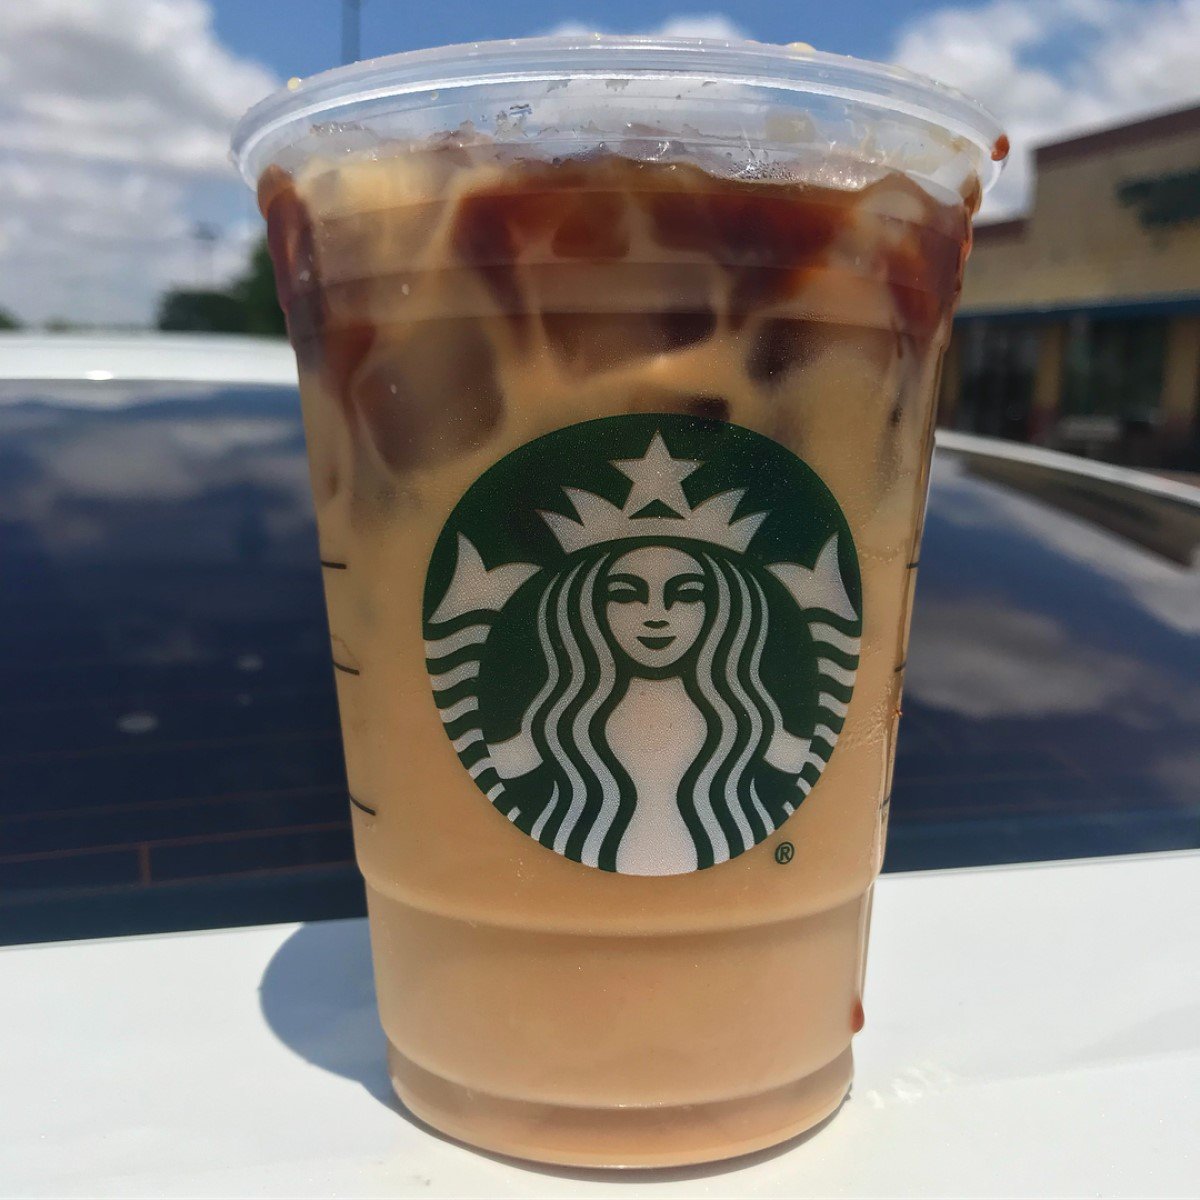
[{"x": 447, "y": 308}]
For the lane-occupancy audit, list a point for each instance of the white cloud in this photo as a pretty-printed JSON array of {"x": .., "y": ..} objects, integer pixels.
[
  {"x": 1051, "y": 68},
  {"x": 114, "y": 131},
  {"x": 698, "y": 25},
  {"x": 991, "y": 677},
  {"x": 124, "y": 81},
  {"x": 78, "y": 468},
  {"x": 709, "y": 25},
  {"x": 1163, "y": 589},
  {"x": 986, "y": 677}
]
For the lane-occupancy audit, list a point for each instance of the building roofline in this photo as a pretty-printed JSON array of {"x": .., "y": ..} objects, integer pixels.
[{"x": 1114, "y": 137}]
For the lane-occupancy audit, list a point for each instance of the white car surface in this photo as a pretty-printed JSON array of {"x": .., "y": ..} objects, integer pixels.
[{"x": 173, "y": 357}]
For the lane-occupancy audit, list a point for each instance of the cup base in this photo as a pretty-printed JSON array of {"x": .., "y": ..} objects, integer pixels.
[{"x": 668, "y": 1136}]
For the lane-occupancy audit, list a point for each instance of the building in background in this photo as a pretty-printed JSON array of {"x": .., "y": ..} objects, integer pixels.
[{"x": 1079, "y": 326}]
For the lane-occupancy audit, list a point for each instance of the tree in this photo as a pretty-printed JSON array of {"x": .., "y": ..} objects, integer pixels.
[
  {"x": 249, "y": 306},
  {"x": 201, "y": 312},
  {"x": 256, "y": 291},
  {"x": 7, "y": 320}
]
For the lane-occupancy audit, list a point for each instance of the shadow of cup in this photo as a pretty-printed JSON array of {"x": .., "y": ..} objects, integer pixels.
[{"x": 318, "y": 997}]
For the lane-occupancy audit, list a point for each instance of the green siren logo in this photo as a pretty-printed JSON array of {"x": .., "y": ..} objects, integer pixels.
[{"x": 642, "y": 634}]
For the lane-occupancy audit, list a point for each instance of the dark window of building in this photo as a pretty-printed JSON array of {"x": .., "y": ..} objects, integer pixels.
[
  {"x": 1112, "y": 385},
  {"x": 1114, "y": 368},
  {"x": 999, "y": 359}
]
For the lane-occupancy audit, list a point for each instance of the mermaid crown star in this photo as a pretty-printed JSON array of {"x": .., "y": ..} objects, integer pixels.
[{"x": 656, "y": 507}]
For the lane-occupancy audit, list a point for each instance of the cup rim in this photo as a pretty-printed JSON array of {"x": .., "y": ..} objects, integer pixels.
[{"x": 796, "y": 68}]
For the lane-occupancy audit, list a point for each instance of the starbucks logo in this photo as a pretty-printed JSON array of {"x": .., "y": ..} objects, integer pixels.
[{"x": 642, "y": 634}]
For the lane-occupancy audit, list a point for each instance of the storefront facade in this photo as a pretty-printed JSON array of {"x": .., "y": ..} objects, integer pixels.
[{"x": 1080, "y": 323}]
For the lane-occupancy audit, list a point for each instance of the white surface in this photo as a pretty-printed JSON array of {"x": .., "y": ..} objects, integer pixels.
[
  {"x": 175, "y": 357},
  {"x": 1030, "y": 1031}
]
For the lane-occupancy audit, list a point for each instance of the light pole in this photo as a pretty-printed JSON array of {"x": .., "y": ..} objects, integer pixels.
[
  {"x": 205, "y": 237},
  {"x": 351, "y": 30}
]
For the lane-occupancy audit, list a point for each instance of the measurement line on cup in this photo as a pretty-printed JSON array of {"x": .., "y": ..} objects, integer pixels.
[
  {"x": 359, "y": 804},
  {"x": 330, "y": 565},
  {"x": 895, "y": 672},
  {"x": 912, "y": 566},
  {"x": 349, "y": 670}
]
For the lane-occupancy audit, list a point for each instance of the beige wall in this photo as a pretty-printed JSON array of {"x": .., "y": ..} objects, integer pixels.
[
  {"x": 1181, "y": 377},
  {"x": 1080, "y": 243}
]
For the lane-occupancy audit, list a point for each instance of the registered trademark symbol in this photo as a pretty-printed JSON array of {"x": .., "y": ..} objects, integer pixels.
[{"x": 784, "y": 853}]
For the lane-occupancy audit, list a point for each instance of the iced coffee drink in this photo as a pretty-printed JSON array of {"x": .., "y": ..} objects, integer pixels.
[{"x": 618, "y": 434}]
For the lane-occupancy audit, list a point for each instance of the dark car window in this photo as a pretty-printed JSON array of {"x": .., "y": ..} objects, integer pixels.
[
  {"x": 1052, "y": 703},
  {"x": 169, "y": 738}
]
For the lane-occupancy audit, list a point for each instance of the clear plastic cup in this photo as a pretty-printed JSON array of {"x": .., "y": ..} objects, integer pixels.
[{"x": 618, "y": 361}]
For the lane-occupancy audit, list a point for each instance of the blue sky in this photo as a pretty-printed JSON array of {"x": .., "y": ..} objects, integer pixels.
[
  {"x": 115, "y": 115},
  {"x": 298, "y": 37}
]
